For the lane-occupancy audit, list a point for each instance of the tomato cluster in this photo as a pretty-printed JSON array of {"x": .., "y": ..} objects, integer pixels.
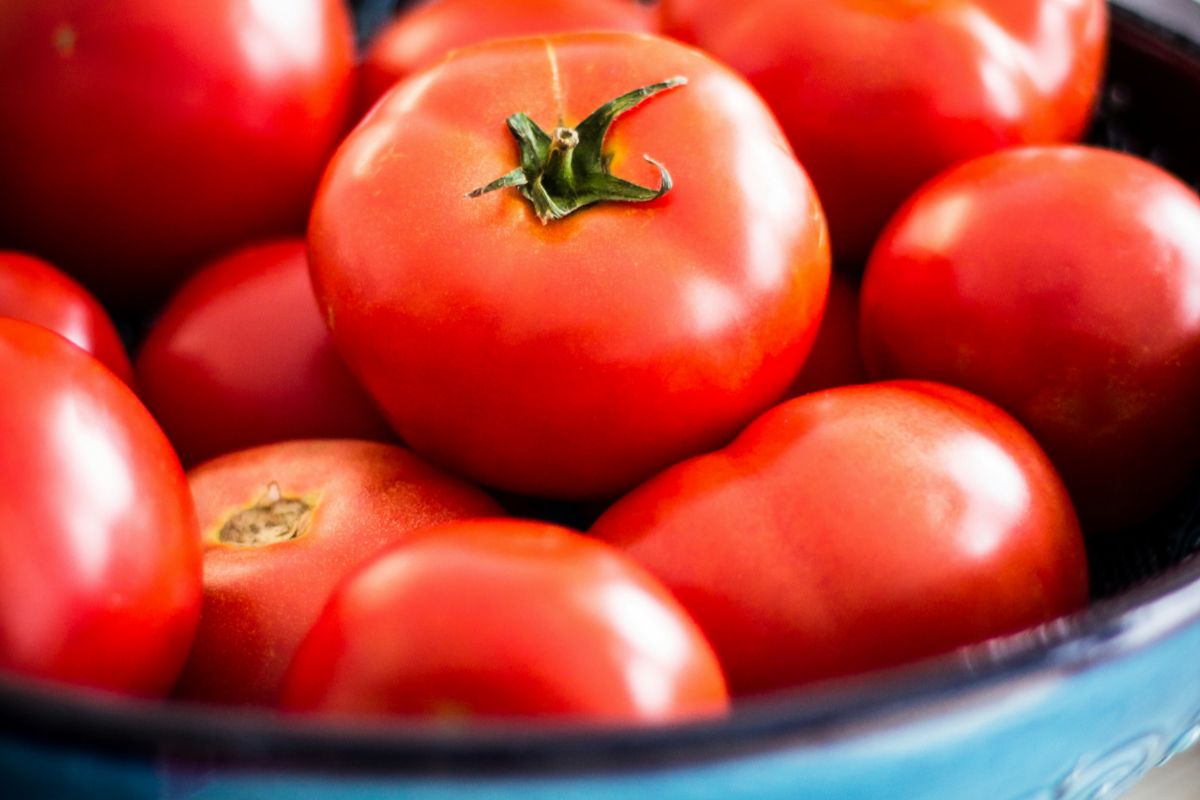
[{"x": 402, "y": 318}]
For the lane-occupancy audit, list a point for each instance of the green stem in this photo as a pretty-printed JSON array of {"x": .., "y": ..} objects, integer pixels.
[
  {"x": 566, "y": 171},
  {"x": 560, "y": 163}
]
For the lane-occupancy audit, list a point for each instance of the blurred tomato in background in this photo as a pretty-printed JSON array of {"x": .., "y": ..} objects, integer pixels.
[
  {"x": 426, "y": 31},
  {"x": 1061, "y": 283},
  {"x": 878, "y": 96},
  {"x": 242, "y": 357},
  {"x": 35, "y": 291},
  {"x": 142, "y": 137}
]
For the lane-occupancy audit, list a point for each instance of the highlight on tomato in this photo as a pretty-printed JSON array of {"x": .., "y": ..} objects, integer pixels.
[
  {"x": 99, "y": 555},
  {"x": 281, "y": 525},
  {"x": 560, "y": 264},
  {"x": 505, "y": 618},
  {"x": 859, "y": 528}
]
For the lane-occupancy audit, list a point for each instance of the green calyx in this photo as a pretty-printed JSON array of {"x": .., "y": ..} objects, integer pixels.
[{"x": 564, "y": 171}]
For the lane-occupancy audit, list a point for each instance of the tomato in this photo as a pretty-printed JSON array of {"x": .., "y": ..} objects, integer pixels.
[
  {"x": 423, "y": 34},
  {"x": 141, "y": 137},
  {"x": 575, "y": 356},
  {"x": 1062, "y": 284},
  {"x": 241, "y": 357},
  {"x": 281, "y": 525},
  {"x": 99, "y": 557},
  {"x": 859, "y": 528},
  {"x": 494, "y": 618},
  {"x": 877, "y": 96},
  {"x": 35, "y": 291},
  {"x": 835, "y": 359}
]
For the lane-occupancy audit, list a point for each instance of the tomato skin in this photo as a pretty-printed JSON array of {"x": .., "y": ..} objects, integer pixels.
[
  {"x": 36, "y": 291},
  {"x": 241, "y": 357},
  {"x": 142, "y": 137},
  {"x": 891, "y": 521},
  {"x": 99, "y": 561},
  {"x": 877, "y": 96},
  {"x": 426, "y": 32},
  {"x": 575, "y": 358},
  {"x": 1060, "y": 283},
  {"x": 835, "y": 359},
  {"x": 505, "y": 618},
  {"x": 260, "y": 601}
]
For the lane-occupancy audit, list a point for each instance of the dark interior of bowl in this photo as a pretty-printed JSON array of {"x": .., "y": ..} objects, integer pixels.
[{"x": 1148, "y": 108}]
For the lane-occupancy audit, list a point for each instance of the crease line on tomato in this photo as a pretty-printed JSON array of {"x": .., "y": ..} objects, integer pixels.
[{"x": 555, "y": 82}]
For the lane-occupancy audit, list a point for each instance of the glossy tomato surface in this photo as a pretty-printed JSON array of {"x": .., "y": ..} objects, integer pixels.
[
  {"x": 877, "y": 96},
  {"x": 576, "y": 357},
  {"x": 424, "y": 33},
  {"x": 1063, "y": 284},
  {"x": 36, "y": 291},
  {"x": 142, "y": 137},
  {"x": 99, "y": 557},
  {"x": 240, "y": 356},
  {"x": 859, "y": 528},
  {"x": 281, "y": 525},
  {"x": 495, "y": 618}
]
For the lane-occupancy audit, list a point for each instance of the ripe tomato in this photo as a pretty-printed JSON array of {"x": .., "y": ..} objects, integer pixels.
[
  {"x": 1062, "y": 284},
  {"x": 424, "y": 33},
  {"x": 241, "y": 357},
  {"x": 35, "y": 291},
  {"x": 99, "y": 560},
  {"x": 575, "y": 356},
  {"x": 499, "y": 618},
  {"x": 879, "y": 95},
  {"x": 835, "y": 359},
  {"x": 858, "y": 528},
  {"x": 142, "y": 136},
  {"x": 281, "y": 524}
]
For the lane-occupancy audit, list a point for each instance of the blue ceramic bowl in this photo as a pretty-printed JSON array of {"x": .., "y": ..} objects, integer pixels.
[{"x": 1075, "y": 710}]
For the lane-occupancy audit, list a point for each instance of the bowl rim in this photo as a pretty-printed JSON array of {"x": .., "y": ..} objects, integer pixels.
[
  {"x": 826, "y": 713},
  {"x": 819, "y": 714}
]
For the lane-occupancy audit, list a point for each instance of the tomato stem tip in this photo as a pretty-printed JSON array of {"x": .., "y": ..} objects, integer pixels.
[{"x": 275, "y": 517}]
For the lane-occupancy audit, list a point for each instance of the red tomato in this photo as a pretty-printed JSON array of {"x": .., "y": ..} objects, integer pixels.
[
  {"x": 835, "y": 359},
  {"x": 141, "y": 137},
  {"x": 879, "y": 95},
  {"x": 99, "y": 561},
  {"x": 424, "y": 33},
  {"x": 496, "y": 618},
  {"x": 1063, "y": 284},
  {"x": 35, "y": 291},
  {"x": 858, "y": 528},
  {"x": 241, "y": 357},
  {"x": 281, "y": 525},
  {"x": 576, "y": 356}
]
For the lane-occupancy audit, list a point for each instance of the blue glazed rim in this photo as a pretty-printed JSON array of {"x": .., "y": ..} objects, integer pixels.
[{"x": 1111, "y": 629}]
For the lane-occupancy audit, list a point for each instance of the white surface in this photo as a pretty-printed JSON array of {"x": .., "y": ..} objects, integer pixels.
[{"x": 1179, "y": 779}]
